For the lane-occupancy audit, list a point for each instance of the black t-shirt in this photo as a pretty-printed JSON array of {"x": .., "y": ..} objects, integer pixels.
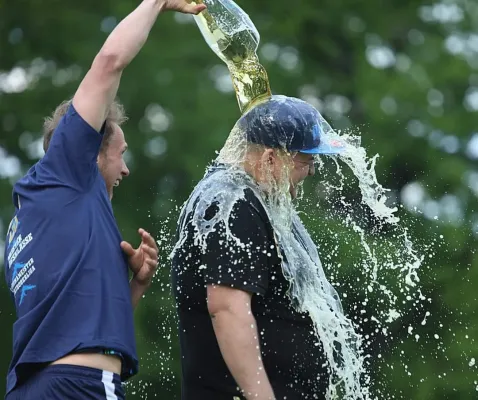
[{"x": 292, "y": 354}]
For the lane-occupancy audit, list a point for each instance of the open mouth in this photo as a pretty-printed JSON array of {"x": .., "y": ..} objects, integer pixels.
[{"x": 117, "y": 183}]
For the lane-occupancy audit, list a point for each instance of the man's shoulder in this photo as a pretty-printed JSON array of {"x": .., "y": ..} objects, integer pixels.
[
  {"x": 241, "y": 198},
  {"x": 252, "y": 200},
  {"x": 230, "y": 183},
  {"x": 40, "y": 182}
]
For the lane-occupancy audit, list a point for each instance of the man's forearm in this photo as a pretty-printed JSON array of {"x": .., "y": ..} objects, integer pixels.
[
  {"x": 127, "y": 39},
  {"x": 137, "y": 292},
  {"x": 238, "y": 340},
  {"x": 100, "y": 85}
]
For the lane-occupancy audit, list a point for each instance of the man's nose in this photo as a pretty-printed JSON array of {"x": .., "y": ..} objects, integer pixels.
[
  {"x": 124, "y": 170},
  {"x": 312, "y": 169}
]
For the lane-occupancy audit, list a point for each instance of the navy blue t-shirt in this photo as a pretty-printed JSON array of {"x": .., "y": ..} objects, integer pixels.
[{"x": 63, "y": 261}]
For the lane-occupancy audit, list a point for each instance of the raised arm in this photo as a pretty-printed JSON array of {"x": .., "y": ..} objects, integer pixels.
[{"x": 100, "y": 85}]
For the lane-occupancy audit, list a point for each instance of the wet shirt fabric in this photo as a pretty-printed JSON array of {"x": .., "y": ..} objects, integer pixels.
[
  {"x": 64, "y": 265},
  {"x": 292, "y": 355}
]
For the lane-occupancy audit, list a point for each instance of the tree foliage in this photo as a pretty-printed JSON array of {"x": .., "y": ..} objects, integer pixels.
[{"x": 403, "y": 75}]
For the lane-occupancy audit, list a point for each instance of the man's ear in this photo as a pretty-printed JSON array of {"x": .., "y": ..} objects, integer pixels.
[{"x": 268, "y": 157}]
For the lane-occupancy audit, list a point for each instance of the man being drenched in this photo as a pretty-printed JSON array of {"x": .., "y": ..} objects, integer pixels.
[{"x": 251, "y": 294}]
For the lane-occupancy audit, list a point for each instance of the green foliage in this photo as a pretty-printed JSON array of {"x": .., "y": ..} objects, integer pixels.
[{"x": 386, "y": 70}]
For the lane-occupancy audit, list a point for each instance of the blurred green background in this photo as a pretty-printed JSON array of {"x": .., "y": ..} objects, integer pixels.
[{"x": 402, "y": 74}]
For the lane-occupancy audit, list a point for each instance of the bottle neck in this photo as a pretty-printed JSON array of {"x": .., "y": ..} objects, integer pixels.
[{"x": 250, "y": 82}]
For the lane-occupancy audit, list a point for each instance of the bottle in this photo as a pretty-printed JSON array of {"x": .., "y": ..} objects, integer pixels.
[{"x": 230, "y": 33}]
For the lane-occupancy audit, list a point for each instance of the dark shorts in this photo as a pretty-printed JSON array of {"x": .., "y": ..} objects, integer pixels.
[{"x": 69, "y": 382}]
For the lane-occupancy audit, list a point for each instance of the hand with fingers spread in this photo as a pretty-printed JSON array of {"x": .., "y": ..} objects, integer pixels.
[
  {"x": 143, "y": 261},
  {"x": 184, "y": 6}
]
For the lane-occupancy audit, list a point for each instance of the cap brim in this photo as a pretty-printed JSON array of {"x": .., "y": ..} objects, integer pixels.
[{"x": 326, "y": 146}]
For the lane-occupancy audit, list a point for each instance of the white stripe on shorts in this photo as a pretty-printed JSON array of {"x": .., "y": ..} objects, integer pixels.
[{"x": 107, "y": 380}]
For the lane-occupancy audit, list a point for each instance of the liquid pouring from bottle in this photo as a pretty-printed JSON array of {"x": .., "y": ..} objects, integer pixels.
[{"x": 231, "y": 34}]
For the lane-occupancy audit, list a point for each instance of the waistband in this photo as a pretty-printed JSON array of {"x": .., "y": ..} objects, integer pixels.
[{"x": 79, "y": 372}]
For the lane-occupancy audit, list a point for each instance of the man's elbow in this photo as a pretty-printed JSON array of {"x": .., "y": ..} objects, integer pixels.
[
  {"x": 226, "y": 317},
  {"x": 224, "y": 302},
  {"x": 216, "y": 309},
  {"x": 108, "y": 62}
]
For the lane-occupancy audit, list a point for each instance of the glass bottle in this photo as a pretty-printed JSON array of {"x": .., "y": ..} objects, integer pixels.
[{"x": 230, "y": 33}]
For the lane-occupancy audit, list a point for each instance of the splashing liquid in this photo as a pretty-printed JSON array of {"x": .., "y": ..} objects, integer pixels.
[{"x": 403, "y": 257}]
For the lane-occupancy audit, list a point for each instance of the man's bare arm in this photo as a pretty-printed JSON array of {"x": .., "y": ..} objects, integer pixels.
[
  {"x": 237, "y": 336},
  {"x": 99, "y": 87}
]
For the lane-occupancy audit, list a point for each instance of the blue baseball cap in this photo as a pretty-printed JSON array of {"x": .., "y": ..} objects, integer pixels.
[{"x": 290, "y": 124}]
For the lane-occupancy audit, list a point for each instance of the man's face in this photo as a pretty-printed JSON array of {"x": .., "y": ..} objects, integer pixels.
[
  {"x": 302, "y": 167},
  {"x": 110, "y": 161}
]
